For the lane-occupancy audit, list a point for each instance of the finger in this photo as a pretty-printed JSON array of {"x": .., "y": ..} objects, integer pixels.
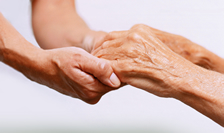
[
  {"x": 141, "y": 26},
  {"x": 94, "y": 96},
  {"x": 113, "y": 44},
  {"x": 88, "y": 88},
  {"x": 101, "y": 69},
  {"x": 93, "y": 39},
  {"x": 115, "y": 35},
  {"x": 110, "y": 36},
  {"x": 109, "y": 54}
]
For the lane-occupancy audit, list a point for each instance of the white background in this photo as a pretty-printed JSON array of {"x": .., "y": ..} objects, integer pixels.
[{"x": 26, "y": 106}]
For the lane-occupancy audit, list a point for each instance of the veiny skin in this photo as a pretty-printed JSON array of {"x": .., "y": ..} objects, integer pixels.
[
  {"x": 191, "y": 51},
  {"x": 142, "y": 60},
  {"x": 138, "y": 56},
  {"x": 71, "y": 71}
]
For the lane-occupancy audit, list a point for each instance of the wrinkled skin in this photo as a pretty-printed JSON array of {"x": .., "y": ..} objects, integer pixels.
[
  {"x": 140, "y": 59},
  {"x": 190, "y": 50},
  {"x": 187, "y": 49}
]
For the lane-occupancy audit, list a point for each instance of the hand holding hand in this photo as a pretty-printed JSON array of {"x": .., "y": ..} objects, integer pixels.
[
  {"x": 142, "y": 60},
  {"x": 74, "y": 72}
]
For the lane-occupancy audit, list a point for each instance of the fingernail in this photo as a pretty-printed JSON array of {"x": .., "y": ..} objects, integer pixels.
[{"x": 114, "y": 80}]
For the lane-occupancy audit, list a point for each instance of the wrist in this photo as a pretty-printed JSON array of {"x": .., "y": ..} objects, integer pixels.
[
  {"x": 21, "y": 55},
  {"x": 209, "y": 60},
  {"x": 193, "y": 52},
  {"x": 86, "y": 40},
  {"x": 203, "y": 90},
  {"x": 75, "y": 37},
  {"x": 18, "y": 53}
]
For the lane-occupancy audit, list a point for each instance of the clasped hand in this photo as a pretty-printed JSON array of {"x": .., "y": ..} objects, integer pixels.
[
  {"x": 140, "y": 59},
  {"x": 77, "y": 73}
]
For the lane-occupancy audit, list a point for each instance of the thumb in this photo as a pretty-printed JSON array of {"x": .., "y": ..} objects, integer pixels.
[{"x": 100, "y": 69}]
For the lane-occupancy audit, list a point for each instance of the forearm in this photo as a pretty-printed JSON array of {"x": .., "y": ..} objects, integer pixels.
[
  {"x": 56, "y": 24},
  {"x": 17, "y": 52},
  {"x": 191, "y": 51},
  {"x": 200, "y": 55},
  {"x": 203, "y": 90},
  {"x": 211, "y": 61},
  {"x": 66, "y": 70}
]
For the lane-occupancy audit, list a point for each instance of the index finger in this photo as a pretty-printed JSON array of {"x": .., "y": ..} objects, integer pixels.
[{"x": 111, "y": 36}]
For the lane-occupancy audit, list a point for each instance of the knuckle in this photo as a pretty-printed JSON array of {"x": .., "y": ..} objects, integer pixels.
[
  {"x": 104, "y": 68},
  {"x": 124, "y": 69},
  {"x": 142, "y": 28},
  {"x": 131, "y": 51},
  {"x": 109, "y": 35},
  {"x": 91, "y": 97},
  {"x": 139, "y": 26},
  {"x": 105, "y": 44},
  {"x": 134, "y": 36},
  {"x": 87, "y": 79},
  {"x": 76, "y": 57}
]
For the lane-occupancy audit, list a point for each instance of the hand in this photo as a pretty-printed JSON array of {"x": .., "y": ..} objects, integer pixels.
[
  {"x": 187, "y": 49},
  {"x": 91, "y": 39},
  {"x": 142, "y": 60},
  {"x": 191, "y": 51},
  {"x": 184, "y": 47},
  {"x": 74, "y": 72},
  {"x": 71, "y": 71}
]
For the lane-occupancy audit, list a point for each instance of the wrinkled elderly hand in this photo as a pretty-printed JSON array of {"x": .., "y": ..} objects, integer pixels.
[
  {"x": 186, "y": 48},
  {"x": 142, "y": 60}
]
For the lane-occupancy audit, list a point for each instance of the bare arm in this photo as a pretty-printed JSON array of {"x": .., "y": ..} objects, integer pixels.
[
  {"x": 140, "y": 59},
  {"x": 191, "y": 51},
  {"x": 66, "y": 70},
  {"x": 57, "y": 24}
]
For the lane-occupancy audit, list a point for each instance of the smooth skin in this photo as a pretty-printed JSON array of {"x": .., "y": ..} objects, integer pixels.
[
  {"x": 71, "y": 71},
  {"x": 142, "y": 60},
  {"x": 57, "y": 24}
]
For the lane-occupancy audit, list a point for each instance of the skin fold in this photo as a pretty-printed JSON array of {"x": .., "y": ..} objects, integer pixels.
[
  {"x": 191, "y": 51},
  {"x": 142, "y": 60},
  {"x": 71, "y": 70}
]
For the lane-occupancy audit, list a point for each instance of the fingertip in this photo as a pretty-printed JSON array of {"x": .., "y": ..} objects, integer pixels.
[
  {"x": 115, "y": 82},
  {"x": 105, "y": 74},
  {"x": 111, "y": 78}
]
